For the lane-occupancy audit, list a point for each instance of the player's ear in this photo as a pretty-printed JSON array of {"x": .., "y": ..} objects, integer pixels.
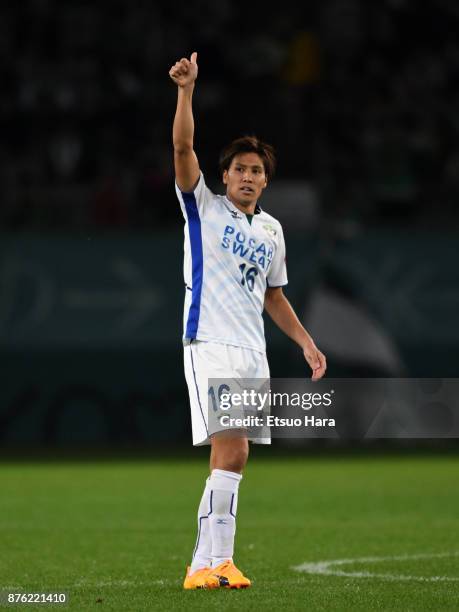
[{"x": 225, "y": 177}]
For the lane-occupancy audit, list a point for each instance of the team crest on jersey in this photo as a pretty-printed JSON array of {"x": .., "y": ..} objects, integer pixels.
[{"x": 270, "y": 229}]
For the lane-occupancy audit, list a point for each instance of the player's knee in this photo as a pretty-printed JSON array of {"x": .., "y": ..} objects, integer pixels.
[
  {"x": 237, "y": 458},
  {"x": 230, "y": 455},
  {"x": 232, "y": 461}
]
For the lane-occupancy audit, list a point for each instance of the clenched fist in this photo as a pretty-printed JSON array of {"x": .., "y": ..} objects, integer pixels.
[{"x": 185, "y": 71}]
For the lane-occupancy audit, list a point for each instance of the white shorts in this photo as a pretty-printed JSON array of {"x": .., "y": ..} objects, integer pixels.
[{"x": 204, "y": 360}]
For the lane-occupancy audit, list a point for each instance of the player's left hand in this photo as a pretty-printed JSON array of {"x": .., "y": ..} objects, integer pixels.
[{"x": 316, "y": 360}]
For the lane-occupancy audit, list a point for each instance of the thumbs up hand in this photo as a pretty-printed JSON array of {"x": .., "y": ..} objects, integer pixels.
[{"x": 185, "y": 72}]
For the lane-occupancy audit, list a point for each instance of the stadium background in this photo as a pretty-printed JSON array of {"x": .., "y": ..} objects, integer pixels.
[{"x": 362, "y": 108}]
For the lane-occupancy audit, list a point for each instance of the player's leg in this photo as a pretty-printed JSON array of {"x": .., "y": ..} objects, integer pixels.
[
  {"x": 218, "y": 506},
  {"x": 228, "y": 458},
  {"x": 197, "y": 573}
]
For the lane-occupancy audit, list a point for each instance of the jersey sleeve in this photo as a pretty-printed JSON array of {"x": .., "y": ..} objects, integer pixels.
[
  {"x": 277, "y": 274},
  {"x": 196, "y": 201}
]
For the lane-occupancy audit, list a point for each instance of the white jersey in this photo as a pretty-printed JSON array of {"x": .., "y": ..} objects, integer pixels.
[{"x": 228, "y": 265}]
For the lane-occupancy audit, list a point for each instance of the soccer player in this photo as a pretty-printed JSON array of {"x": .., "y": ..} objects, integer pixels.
[{"x": 234, "y": 266}]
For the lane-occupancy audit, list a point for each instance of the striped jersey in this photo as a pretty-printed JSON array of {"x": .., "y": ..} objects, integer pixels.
[{"x": 228, "y": 264}]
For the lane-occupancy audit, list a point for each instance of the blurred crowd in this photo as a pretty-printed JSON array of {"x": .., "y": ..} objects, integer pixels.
[{"x": 359, "y": 99}]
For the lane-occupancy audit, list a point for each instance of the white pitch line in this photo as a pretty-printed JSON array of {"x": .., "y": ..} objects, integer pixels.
[{"x": 327, "y": 568}]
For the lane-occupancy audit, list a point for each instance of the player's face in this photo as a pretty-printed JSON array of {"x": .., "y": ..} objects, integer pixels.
[{"x": 245, "y": 179}]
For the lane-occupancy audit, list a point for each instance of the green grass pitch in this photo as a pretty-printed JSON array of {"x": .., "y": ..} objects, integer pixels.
[{"x": 117, "y": 535}]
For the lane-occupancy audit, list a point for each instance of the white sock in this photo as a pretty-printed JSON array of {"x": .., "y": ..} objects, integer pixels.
[
  {"x": 202, "y": 553},
  {"x": 223, "y": 486}
]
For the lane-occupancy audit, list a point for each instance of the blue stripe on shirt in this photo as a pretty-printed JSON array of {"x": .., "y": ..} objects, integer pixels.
[{"x": 194, "y": 228}]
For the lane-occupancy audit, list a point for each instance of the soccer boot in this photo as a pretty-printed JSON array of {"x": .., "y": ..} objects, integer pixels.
[
  {"x": 229, "y": 576},
  {"x": 200, "y": 579}
]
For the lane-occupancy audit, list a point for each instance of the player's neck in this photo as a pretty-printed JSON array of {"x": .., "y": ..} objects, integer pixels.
[{"x": 247, "y": 209}]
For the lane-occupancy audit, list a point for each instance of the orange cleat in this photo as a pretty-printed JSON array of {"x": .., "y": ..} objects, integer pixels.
[
  {"x": 200, "y": 579},
  {"x": 229, "y": 576}
]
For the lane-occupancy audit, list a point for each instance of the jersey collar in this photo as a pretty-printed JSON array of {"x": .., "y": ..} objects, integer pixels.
[{"x": 257, "y": 210}]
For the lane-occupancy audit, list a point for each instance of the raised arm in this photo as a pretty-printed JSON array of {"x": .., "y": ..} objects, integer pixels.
[{"x": 184, "y": 74}]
